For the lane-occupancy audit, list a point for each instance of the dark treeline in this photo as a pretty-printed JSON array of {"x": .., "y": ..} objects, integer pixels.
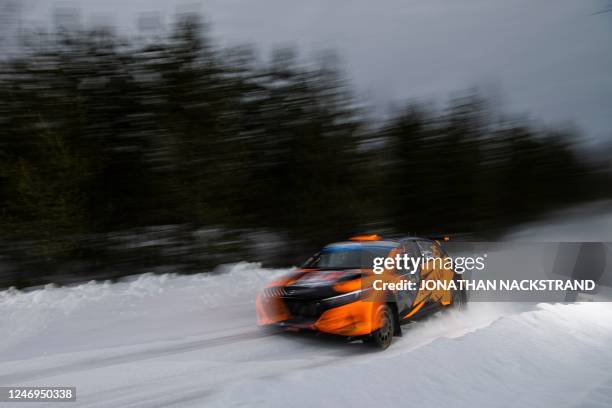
[{"x": 101, "y": 135}]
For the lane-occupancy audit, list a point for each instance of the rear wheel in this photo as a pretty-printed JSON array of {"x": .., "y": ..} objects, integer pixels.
[
  {"x": 383, "y": 337},
  {"x": 459, "y": 299}
]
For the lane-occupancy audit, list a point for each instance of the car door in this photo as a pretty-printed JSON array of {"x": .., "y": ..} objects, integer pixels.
[
  {"x": 435, "y": 270},
  {"x": 406, "y": 297}
]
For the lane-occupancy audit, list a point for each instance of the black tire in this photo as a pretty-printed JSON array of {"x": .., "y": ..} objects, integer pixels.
[
  {"x": 271, "y": 329},
  {"x": 383, "y": 337},
  {"x": 459, "y": 299}
]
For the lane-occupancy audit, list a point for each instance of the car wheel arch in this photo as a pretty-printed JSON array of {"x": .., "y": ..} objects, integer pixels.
[{"x": 391, "y": 301}]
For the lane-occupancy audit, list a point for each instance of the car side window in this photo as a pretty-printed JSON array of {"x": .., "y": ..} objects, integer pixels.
[
  {"x": 441, "y": 249},
  {"x": 426, "y": 249},
  {"x": 411, "y": 249}
]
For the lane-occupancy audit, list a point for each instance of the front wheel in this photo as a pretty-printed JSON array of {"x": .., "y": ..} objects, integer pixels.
[
  {"x": 383, "y": 336},
  {"x": 459, "y": 299}
]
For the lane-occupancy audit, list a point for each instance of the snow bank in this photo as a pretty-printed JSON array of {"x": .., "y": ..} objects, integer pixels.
[{"x": 125, "y": 308}]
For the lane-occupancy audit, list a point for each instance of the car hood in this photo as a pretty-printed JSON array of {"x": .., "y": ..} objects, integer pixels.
[{"x": 320, "y": 283}]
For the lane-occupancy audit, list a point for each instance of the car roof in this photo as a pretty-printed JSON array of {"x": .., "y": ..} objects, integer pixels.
[
  {"x": 383, "y": 243},
  {"x": 387, "y": 242}
]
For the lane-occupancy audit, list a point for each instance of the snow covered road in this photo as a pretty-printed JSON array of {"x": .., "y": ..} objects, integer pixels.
[{"x": 191, "y": 341}]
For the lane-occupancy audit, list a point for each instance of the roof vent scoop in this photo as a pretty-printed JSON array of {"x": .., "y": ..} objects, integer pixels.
[{"x": 371, "y": 237}]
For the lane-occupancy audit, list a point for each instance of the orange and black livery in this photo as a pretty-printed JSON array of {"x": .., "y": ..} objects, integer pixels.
[{"x": 333, "y": 292}]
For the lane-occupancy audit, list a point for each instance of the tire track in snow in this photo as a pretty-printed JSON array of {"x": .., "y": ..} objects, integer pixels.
[{"x": 132, "y": 357}]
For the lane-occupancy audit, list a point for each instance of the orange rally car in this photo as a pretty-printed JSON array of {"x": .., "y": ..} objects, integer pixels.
[{"x": 333, "y": 292}]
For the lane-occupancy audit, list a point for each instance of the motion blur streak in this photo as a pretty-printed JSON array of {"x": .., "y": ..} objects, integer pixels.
[{"x": 125, "y": 155}]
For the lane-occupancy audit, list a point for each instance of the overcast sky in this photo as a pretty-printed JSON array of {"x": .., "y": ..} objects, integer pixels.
[{"x": 549, "y": 58}]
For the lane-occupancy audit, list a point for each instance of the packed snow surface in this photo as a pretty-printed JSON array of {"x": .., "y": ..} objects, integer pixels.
[{"x": 192, "y": 341}]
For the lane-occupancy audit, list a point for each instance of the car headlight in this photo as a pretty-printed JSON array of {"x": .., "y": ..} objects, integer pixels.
[{"x": 344, "y": 298}]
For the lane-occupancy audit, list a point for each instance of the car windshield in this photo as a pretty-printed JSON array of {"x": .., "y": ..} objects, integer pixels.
[{"x": 347, "y": 257}]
